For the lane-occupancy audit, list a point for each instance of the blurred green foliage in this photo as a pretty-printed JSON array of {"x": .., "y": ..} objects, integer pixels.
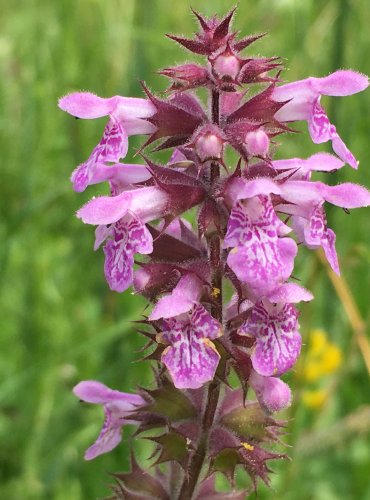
[{"x": 59, "y": 321}]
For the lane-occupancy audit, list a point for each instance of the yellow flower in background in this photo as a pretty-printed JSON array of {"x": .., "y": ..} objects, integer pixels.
[
  {"x": 314, "y": 399},
  {"x": 323, "y": 358}
]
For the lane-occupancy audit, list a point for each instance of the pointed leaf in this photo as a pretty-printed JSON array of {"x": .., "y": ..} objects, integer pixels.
[
  {"x": 225, "y": 462},
  {"x": 251, "y": 423},
  {"x": 140, "y": 482},
  {"x": 170, "y": 403},
  {"x": 172, "y": 446}
]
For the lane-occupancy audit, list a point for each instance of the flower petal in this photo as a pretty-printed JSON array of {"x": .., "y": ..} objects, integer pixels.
[
  {"x": 118, "y": 265},
  {"x": 147, "y": 203},
  {"x": 272, "y": 393},
  {"x": 121, "y": 174},
  {"x": 183, "y": 297},
  {"x": 328, "y": 244},
  {"x": 341, "y": 83},
  {"x": 289, "y": 293},
  {"x": 204, "y": 323},
  {"x": 130, "y": 236},
  {"x": 87, "y": 105},
  {"x": 108, "y": 439},
  {"x": 346, "y": 195},
  {"x": 240, "y": 189},
  {"x": 111, "y": 148},
  {"x": 278, "y": 342},
  {"x": 260, "y": 258},
  {"x": 191, "y": 359},
  {"x": 321, "y": 130},
  {"x": 101, "y": 234},
  {"x": 321, "y": 162},
  {"x": 92, "y": 392},
  {"x": 343, "y": 152}
]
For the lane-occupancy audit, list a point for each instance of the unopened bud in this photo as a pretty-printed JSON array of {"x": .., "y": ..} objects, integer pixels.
[
  {"x": 272, "y": 393},
  {"x": 227, "y": 65},
  {"x": 209, "y": 146},
  {"x": 257, "y": 143}
]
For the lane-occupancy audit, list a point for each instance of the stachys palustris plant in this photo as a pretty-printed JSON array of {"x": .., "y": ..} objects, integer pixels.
[{"x": 251, "y": 215}]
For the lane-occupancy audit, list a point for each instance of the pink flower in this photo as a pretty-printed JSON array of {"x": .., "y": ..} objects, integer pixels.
[
  {"x": 304, "y": 201},
  {"x": 126, "y": 117},
  {"x": 126, "y": 215},
  {"x": 303, "y": 103},
  {"x": 261, "y": 257},
  {"x": 273, "y": 321},
  {"x": 118, "y": 407},
  {"x": 125, "y": 238},
  {"x": 191, "y": 358}
]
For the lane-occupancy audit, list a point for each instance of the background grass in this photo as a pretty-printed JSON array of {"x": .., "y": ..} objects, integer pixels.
[{"x": 59, "y": 321}]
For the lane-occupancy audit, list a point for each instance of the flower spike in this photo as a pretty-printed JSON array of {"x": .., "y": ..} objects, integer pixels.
[{"x": 188, "y": 234}]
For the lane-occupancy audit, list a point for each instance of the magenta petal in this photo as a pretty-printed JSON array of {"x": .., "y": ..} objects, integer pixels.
[
  {"x": 118, "y": 266},
  {"x": 130, "y": 236},
  {"x": 346, "y": 195},
  {"x": 341, "y": 83},
  {"x": 111, "y": 148},
  {"x": 204, "y": 323},
  {"x": 87, "y": 105},
  {"x": 191, "y": 362},
  {"x": 139, "y": 238},
  {"x": 240, "y": 189},
  {"x": 183, "y": 297},
  {"x": 101, "y": 234},
  {"x": 191, "y": 359},
  {"x": 322, "y": 162},
  {"x": 105, "y": 209},
  {"x": 81, "y": 177},
  {"x": 260, "y": 258},
  {"x": 121, "y": 174},
  {"x": 319, "y": 126},
  {"x": 289, "y": 293},
  {"x": 321, "y": 130},
  {"x": 108, "y": 439},
  {"x": 148, "y": 203},
  {"x": 118, "y": 408},
  {"x": 343, "y": 152},
  {"x": 131, "y": 109},
  {"x": 328, "y": 244},
  {"x": 92, "y": 391},
  {"x": 272, "y": 393},
  {"x": 288, "y": 250},
  {"x": 315, "y": 230},
  {"x": 278, "y": 342}
]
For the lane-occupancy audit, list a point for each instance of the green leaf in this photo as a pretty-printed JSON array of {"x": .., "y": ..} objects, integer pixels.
[
  {"x": 172, "y": 446},
  {"x": 251, "y": 423},
  {"x": 170, "y": 403}
]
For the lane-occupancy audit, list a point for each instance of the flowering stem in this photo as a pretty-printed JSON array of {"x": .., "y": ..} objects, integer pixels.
[{"x": 215, "y": 257}]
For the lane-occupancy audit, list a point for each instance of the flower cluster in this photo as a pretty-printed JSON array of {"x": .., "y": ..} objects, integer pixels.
[{"x": 251, "y": 218}]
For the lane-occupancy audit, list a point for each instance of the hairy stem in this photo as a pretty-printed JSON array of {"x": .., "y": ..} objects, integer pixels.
[{"x": 213, "y": 395}]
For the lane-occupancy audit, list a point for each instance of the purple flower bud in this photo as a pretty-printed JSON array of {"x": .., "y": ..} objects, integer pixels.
[
  {"x": 272, "y": 393},
  {"x": 209, "y": 146},
  {"x": 257, "y": 143},
  {"x": 226, "y": 66}
]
